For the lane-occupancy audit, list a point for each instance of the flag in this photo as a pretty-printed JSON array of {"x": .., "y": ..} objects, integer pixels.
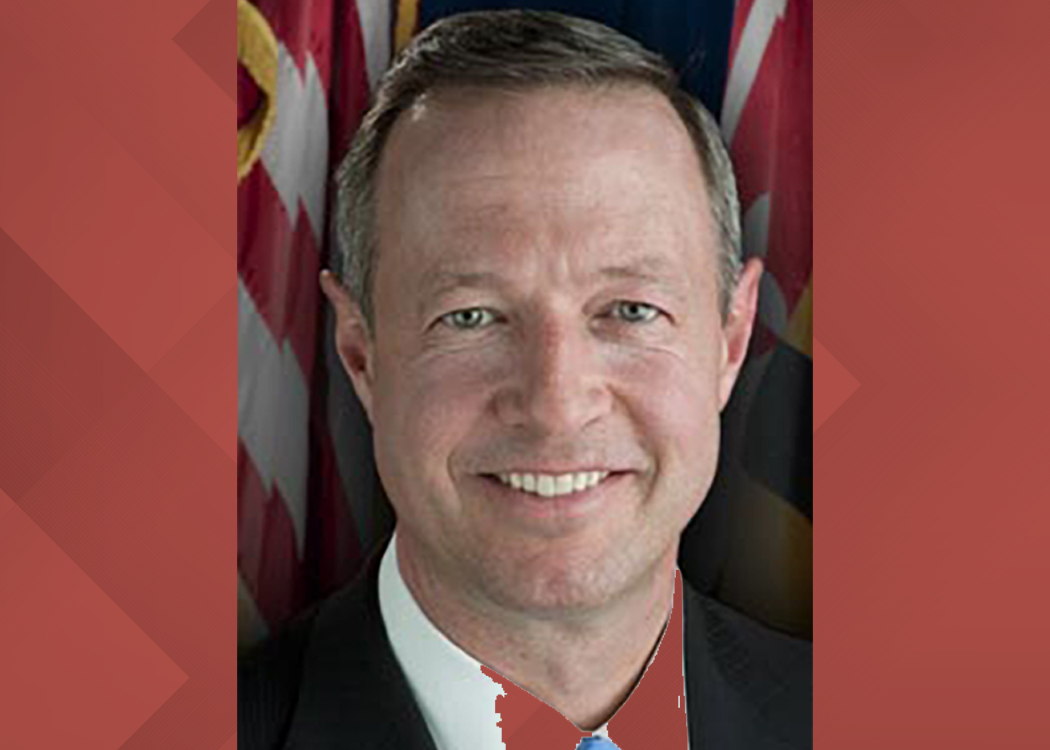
[
  {"x": 306, "y": 491},
  {"x": 765, "y": 485},
  {"x": 767, "y": 122}
]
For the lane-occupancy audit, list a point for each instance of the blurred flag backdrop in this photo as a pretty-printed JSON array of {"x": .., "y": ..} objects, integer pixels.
[{"x": 310, "y": 508}]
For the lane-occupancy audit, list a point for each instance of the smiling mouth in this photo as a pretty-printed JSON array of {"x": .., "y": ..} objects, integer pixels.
[{"x": 552, "y": 485}]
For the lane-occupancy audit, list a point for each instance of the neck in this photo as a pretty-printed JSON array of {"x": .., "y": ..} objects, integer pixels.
[{"x": 584, "y": 663}]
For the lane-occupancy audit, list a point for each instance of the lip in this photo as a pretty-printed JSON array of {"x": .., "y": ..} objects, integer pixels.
[
  {"x": 555, "y": 471},
  {"x": 573, "y": 505}
]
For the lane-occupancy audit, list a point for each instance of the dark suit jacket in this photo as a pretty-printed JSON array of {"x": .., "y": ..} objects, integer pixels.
[{"x": 332, "y": 681}]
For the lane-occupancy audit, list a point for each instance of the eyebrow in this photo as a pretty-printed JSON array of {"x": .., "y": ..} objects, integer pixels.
[
  {"x": 651, "y": 269},
  {"x": 442, "y": 281}
]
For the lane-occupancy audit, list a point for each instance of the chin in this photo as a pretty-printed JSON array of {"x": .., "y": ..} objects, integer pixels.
[{"x": 556, "y": 583}]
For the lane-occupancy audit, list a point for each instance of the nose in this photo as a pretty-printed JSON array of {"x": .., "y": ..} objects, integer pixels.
[{"x": 559, "y": 386}]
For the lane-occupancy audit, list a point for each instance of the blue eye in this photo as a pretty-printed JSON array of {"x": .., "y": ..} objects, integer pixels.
[
  {"x": 468, "y": 319},
  {"x": 635, "y": 312}
]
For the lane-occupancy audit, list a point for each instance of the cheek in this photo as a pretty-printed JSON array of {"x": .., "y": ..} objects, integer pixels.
[
  {"x": 428, "y": 407},
  {"x": 675, "y": 384},
  {"x": 674, "y": 403}
]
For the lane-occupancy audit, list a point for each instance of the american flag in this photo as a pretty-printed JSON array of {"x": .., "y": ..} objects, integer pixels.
[{"x": 307, "y": 510}]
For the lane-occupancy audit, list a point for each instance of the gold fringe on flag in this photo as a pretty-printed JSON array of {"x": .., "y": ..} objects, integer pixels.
[
  {"x": 257, "y": 52},
  {"x": 407, "y": 19}
]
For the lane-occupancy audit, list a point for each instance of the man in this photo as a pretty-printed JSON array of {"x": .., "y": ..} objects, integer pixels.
[{"x": 543, "y": 310}]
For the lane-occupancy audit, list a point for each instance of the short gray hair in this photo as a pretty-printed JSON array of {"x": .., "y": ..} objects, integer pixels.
[{"x": 516, "y": 50}]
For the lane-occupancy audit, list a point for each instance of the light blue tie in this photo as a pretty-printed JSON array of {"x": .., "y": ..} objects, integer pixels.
[{"x": 596, "y": 743}]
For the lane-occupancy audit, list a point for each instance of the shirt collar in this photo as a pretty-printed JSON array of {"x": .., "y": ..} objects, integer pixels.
[{"x": 452, "y": 692}]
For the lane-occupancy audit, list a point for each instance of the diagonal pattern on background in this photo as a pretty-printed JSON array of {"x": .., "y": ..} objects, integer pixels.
[
  {"x": 107, "y": 690},
  {"x": 117, "y": 261}
]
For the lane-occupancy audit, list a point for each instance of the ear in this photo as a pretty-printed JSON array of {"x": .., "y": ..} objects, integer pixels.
[
  {"x": 736, "y": 331},
  {"x": 353, "y": 340}
]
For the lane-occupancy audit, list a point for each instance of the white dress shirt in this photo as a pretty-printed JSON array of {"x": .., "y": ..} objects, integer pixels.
[{"x": 457, "y": 699}]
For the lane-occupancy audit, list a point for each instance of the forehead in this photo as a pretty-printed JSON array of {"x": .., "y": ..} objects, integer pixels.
[{"x": 468, "y": 171}]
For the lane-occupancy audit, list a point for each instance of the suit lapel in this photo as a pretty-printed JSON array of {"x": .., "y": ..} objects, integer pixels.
[
  {"x": 746, "y": 686},
  {"x": 353, "y": 694}
]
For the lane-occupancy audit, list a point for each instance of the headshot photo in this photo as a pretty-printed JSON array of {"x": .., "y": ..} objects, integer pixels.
[{"x": 525, "y": 377}]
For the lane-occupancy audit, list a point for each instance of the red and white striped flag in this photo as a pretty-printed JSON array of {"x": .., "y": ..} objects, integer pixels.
[{"x": 306, "y": 487}]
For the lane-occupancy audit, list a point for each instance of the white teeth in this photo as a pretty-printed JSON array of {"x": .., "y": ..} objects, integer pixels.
[{"x": 552, "y": 485}]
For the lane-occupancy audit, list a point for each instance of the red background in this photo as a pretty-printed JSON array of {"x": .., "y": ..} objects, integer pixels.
[
  {"x": 932, "y": 543},
  {"x": 118, "y": 391},
  {"x": 118, "y": 381}
]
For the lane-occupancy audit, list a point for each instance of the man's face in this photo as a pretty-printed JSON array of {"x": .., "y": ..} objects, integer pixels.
[{"x": 546, "y": 315}]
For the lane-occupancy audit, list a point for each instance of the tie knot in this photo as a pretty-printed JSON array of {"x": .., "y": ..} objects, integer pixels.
[{"x": 596, "y": 743}]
